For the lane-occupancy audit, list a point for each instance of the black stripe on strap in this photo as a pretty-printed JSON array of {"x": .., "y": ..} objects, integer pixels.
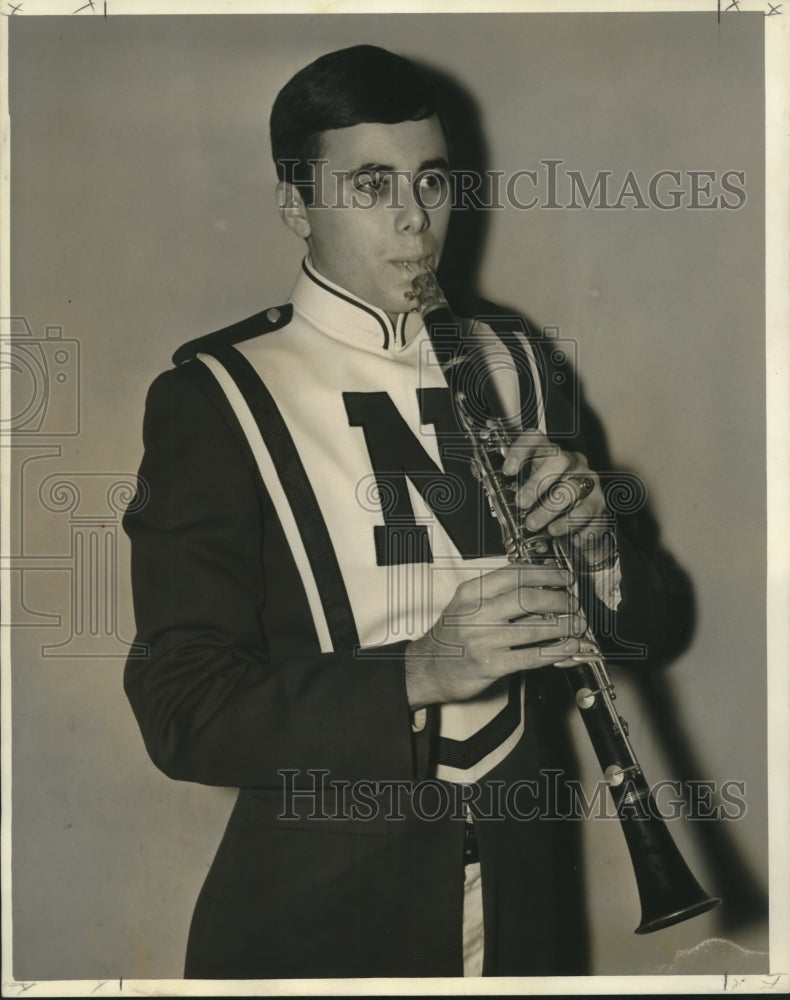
[
  {"x": 301, "y": 498},
  {"x": 510, "y": 330},
  {"x": 529, "y": 397},
  {"x": 464, "y": 754}
]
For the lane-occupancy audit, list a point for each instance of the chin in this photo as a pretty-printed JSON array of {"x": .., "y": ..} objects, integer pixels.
[{"x": 398, "y": 304}]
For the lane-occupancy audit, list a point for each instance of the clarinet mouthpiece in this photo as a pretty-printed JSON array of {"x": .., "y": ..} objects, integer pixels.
[{"x": 427, "y": 295}]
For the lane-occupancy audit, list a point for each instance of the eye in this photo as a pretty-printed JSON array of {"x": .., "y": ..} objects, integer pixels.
[
  {"x": 430, "y": 188},
  {"x": 370, "y": 180}
]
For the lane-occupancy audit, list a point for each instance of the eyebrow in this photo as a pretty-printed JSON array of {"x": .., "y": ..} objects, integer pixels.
[{"x": 437, "y": 163}]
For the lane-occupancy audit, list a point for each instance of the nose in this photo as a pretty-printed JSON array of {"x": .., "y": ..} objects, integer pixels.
[{"x": 411, "y": 216}]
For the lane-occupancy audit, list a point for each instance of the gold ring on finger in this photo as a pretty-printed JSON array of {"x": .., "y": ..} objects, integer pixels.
[{"x": 584, "y": 485}]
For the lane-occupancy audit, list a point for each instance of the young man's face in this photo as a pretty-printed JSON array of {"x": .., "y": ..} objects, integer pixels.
[{"x": 392, "y": 182}]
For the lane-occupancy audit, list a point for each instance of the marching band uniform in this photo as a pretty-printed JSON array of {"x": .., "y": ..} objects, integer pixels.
[{"x": 303, "y": 512}]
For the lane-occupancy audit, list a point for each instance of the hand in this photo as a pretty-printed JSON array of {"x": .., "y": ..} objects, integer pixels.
[
  {"x": 550, "y": 497},
  {"x": 494, "y": 626}
]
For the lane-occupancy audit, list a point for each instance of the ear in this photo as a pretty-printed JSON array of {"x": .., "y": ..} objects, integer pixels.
[{"x": 292, "y": 209}]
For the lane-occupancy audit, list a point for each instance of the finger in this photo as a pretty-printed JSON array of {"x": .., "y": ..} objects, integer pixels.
[
  {"x": 537, "y": 631},
  {"x": 483, "y": 641},
  {"x": 583, "y": 655},
  {"x": 545, "y": 475},
  {"x": 530, "y": 445},
  {"x": 585, "y": 514},
  {"x": 533, "y": 657},
  {"x": 576, "y": 495},
  {"x": 472, "y": 603},
  {"x": 517, "y": 576},
  {"x": 530, "y": 601},
  {"x": 536, "y": 607},
  {"x": 491, "y": 648}
]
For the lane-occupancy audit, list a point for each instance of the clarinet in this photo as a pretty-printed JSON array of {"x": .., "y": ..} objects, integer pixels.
[{"x": 668, "y": 891}]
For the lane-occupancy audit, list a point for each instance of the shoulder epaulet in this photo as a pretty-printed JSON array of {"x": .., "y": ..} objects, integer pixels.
[{"x": 246, "y": 329}]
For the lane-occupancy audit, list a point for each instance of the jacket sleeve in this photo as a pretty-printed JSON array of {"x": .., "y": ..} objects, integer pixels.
[{"x": 215, "y": 701}]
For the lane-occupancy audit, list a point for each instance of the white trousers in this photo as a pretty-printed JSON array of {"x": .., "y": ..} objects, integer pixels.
[{"x": 473, "y": 921}]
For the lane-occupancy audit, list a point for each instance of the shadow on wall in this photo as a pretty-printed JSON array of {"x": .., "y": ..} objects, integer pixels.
[{"x": 666, "y": 619}]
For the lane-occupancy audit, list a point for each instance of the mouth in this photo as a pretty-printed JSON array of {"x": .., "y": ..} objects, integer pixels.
[
  {"x": 415, "y": 270},
  {"x": 415, "y": 265}
]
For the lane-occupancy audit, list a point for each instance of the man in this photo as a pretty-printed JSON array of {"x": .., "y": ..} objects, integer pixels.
[{"x": 332, "y": 624}]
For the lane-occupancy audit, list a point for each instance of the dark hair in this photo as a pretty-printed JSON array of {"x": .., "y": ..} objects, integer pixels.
[{"x": 352, "y": 86}]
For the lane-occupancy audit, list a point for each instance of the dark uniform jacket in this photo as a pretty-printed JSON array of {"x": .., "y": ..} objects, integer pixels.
[{"x": 259, "y": 676}]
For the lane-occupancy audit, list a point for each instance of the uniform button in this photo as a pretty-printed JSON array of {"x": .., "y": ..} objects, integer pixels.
[{"x": 273, "y": 315}]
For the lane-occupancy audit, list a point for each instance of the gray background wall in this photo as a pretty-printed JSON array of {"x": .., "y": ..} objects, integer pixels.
[{"x": 142, "y": 215}]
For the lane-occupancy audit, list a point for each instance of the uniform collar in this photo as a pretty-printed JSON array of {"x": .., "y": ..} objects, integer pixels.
[{"x": 342, "y": 315}]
